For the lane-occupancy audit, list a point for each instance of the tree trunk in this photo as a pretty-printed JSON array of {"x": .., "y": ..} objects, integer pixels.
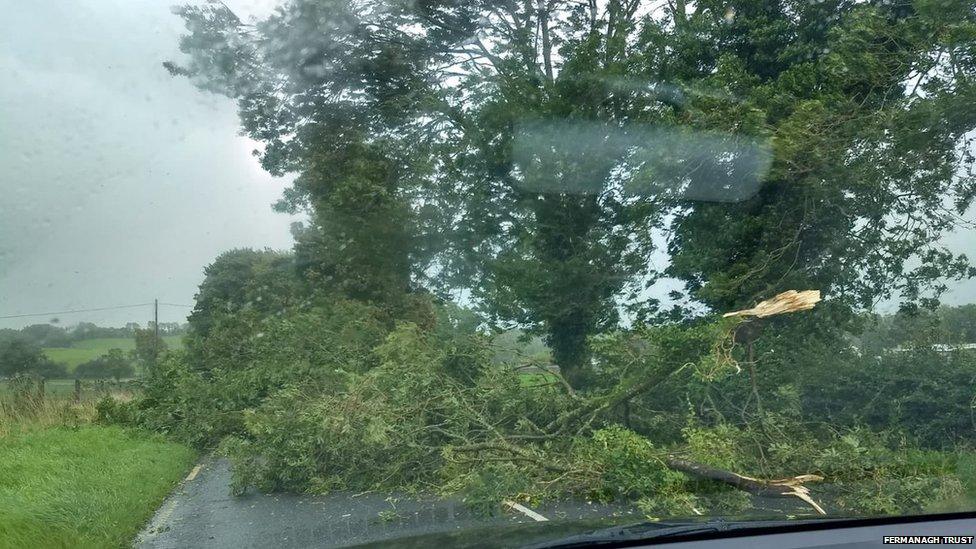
[
  {"x": 570, "y": 352},
  {"x": 781, "y": 488}
]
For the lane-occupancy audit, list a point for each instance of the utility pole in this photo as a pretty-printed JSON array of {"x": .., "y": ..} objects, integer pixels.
[{"x": 155, "y": 330}]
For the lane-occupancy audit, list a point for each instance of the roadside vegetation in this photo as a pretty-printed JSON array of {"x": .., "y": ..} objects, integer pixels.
[
  {"x": 67, "y": 482},
  {"x": 83, "y": 486}
]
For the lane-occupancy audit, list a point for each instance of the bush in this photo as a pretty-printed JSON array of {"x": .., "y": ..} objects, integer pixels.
[
  {"x": 926, "y": 394},
  {"x": 177, "y": 402},
  {"x": 20, "y": 355},
  {"x": 114, "y": 364},
  {"x": 49, "y": 369},
  {"x": 201, "y": 396}
]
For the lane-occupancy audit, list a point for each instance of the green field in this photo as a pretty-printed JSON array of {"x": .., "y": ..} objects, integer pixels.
[
  {"x": 83, "y": 487},
  {"x": 89, "y": 349}
]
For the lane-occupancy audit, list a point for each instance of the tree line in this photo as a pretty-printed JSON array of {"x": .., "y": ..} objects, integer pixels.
[
  {"x": 22, "y": 351},
  {"x": 53, "y": 335}
]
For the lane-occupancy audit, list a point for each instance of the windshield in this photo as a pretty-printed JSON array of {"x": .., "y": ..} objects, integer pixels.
[{"x": 357, "y": 271}]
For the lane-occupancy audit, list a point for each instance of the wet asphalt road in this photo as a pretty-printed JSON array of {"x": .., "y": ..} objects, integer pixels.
[{"x": 202, "y": 513}]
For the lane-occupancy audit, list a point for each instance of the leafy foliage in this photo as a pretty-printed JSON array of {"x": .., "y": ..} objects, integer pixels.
[
  {"x": 330, "y": 398},
  {"x": 113, "y": 364},
  {"x": 869, "y": 473},
  {"x": 148, "y": 345},
  {"x": 529, "y": 153},
  {"x": 21, "y": 355},
  {"x": 525, "y": 156}
]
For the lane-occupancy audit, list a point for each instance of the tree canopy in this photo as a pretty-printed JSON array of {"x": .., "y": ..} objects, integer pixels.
[
  {"x": 532, "y": 154},
  {"x": 536, "y": 167},
  {"x": 19, "y": 355},
  {"x": 112, "y": 364}
]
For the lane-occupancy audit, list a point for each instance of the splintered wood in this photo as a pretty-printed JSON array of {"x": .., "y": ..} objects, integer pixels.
[{"x": 789, "y": 301}]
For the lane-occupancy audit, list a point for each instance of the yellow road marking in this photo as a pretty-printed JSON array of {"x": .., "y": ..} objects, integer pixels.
[{"x": 193, "y": 473}]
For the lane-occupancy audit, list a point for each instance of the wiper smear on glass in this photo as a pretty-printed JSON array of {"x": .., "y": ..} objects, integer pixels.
[{"x": 641, "y": 160}]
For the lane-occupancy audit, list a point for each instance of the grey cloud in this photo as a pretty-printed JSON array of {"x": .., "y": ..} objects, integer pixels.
[{"x": 119, "y": 182}]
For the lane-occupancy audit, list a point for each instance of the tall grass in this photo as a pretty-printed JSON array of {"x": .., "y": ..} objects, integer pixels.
[
  {"x": 66, "y": 482},
  {"x": 49, "y": 412},
  {"x": 25, "y": 406},
  {"x": 90, "y": 486}
]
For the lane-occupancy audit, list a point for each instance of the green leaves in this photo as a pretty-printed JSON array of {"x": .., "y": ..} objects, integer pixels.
[{"x": 532, "y": 160}]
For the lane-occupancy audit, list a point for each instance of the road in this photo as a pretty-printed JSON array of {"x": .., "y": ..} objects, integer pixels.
[{"x": 202, "y": 513}]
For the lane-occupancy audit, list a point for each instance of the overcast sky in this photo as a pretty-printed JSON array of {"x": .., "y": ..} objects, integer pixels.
[{"x": 119, "y": 183}]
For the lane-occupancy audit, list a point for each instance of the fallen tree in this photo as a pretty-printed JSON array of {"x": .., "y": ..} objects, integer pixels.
[
  {"x": 392, "y": 413},
  {"x": 584, "y": 415},
  {"x": 784, "y": 488}
]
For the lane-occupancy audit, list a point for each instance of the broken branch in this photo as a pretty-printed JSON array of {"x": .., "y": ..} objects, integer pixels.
[{"x": 786, "y": 487}]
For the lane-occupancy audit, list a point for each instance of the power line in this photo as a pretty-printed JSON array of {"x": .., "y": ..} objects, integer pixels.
[
  {"x": 79, "y": 311},
  {"x": 96, "y": 309}
]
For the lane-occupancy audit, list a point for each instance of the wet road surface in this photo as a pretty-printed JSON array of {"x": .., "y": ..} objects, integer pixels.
[{"x": 202, "y": 513}]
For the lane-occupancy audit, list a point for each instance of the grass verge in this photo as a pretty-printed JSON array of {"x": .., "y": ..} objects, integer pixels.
[{"x": 90, "y": 486}]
